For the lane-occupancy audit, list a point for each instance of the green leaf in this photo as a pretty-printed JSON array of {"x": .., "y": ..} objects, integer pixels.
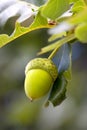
[
  {"x": 78, "y": 6},
  {"x": 56, "y": 36},
  {"x": 81, "y": 33},
  {"x": 74, "y": 1},
  {"x": 39, "y": 22},
  {"x": 79, "y": 17},
  {"x": 57, "y": 44},
  {"x": 71, "y": 23},
  {"x": 68, "y": 72},
  {"x": 55, "y": 8},
  {"x": 63, "y": 61},
  {"x": 58, "y": 93}
]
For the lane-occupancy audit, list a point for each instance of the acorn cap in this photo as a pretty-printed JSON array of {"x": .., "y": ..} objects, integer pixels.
[{"x": 44, "y": 64}]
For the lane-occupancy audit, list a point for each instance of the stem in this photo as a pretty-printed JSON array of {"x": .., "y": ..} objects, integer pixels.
[
  {"x": 58, "y": 43},
  {"x": 63, "y": 41}
]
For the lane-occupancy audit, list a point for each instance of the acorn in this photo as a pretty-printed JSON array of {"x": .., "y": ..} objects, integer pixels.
[{"x": 40, "y": 76}]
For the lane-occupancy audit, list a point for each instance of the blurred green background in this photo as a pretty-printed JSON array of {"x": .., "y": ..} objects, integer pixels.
[{"x": 16, "y": 111}]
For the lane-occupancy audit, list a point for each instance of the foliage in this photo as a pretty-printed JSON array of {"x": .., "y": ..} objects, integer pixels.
[{"x": 67, "y": 22}]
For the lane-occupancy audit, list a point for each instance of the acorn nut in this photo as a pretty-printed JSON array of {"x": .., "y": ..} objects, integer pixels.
[{"x": 40, "y": 76}]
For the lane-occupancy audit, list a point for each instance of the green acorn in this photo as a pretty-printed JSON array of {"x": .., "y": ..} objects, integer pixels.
[{"x": 40, "y": 76}]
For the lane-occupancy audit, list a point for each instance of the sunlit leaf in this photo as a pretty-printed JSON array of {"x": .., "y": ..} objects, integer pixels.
[
  {"x": 57, "y": 44},
  {"x": 73, "y": 1},
  {"x": 39, "y": 22},
  {"x": 56, "y": 36},
  {"x": 81, "y": 33},
  {"x": 78, "y": 6},
  {"x": 55, "y": 8},
  {"x": 79, "y": 17}
]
